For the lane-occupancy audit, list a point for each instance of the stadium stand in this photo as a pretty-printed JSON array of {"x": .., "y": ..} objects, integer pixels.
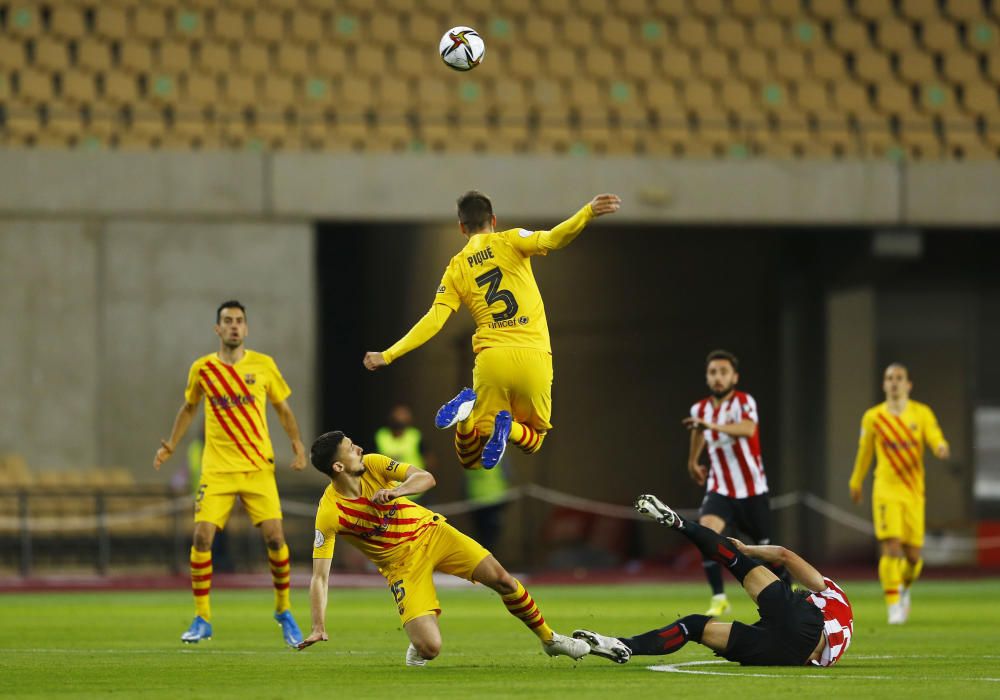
[{"x": 724, "y": 78}]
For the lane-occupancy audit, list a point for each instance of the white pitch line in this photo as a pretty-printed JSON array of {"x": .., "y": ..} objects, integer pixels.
[{"x": 829, "y": 675}]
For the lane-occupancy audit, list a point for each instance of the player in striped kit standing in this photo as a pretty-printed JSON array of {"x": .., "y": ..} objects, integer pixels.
[
  {"x": 814, "y": 626},
  {"x": 735, "y": 484}
]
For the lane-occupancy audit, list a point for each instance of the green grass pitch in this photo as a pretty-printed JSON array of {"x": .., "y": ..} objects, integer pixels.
[{"x": 126, "y": 644}]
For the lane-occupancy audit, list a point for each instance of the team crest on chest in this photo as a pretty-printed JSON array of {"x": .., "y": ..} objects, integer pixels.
[{"x": 250, "y": 379}]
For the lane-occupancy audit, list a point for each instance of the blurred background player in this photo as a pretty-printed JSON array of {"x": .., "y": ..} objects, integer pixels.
[
  {"x": 487, "y": 490},
  {"x": 735, "y": 483},
  {"x": 511, "y": 395},
  {"x": 403, "y": 442},
  {"x": 896, "y": 431},
  {"x": 794, "y": 628},
  {"x": 361, "y": 503},
  {"x": 238, "y": 460}
]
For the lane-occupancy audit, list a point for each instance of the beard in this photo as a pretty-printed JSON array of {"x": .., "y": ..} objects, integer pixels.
[
  {"x": 232, "y": 343},
  {"x": 720, "y": 393}
]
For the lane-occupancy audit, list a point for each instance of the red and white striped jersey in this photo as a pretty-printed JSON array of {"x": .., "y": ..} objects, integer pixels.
[
  {"x": 838, "y": 622},
  {"x": 735, "y": 467}
]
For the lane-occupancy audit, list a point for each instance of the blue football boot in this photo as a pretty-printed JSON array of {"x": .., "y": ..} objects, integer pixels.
[
  {"x": 494, "y": 448},
  {"x": 199, "y": 629},
  {"x": 459, "y": 408},
  {"x": 289, "y": 630}
]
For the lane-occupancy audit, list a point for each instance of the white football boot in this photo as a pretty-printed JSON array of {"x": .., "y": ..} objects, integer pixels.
[
  {"x": 566, "y": 646},
  {"x": 607, "y": 647}
]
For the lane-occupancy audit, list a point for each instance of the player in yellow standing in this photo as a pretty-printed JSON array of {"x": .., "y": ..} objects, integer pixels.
[
  {"x": 511, "y": 394},
  {"x": 896, "y": 432},
  {"x": 238, "y": 460},
  {"x": 366, "y": 502}
]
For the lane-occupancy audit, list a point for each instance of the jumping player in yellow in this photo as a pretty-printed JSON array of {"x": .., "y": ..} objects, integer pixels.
[
  {"x": 238, "y": 460},
  {"x": 366, "y": 502},
  {"x": 896, "y": 431},
  {"x": 511, "y": 394}
]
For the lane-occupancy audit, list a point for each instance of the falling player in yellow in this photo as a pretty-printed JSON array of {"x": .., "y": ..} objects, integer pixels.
[
  {"x": 366, "y": 501},
  {"x": 896, "y": 432},
  {"x": 238, "y": 460},
  {"x": 511, "y": 395}
]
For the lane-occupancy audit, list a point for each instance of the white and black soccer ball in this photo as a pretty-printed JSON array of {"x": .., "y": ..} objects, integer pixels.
[{"x": 462, "y": 48}]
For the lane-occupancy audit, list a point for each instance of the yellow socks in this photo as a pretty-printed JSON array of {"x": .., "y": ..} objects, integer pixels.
[
  {"x": 281, "y": 575},
  {"x": 525, "y": 437},
  {"x": 521, "y": 605},
  {"x": 890, "y": 574},
  {"x": 201, "y": 582},
  {"x": 911, "y": 572}
]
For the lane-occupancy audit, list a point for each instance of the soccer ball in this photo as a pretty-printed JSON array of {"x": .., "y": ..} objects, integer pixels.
[{"x": 462, "y": 48}]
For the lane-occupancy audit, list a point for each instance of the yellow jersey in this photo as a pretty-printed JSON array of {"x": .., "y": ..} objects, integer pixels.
[
  {"x": 385, "y": 534},
  {"x": 236, "y": 436},
  {"x": 897, "y": 441},
  {"x": 492, "y": 277}
]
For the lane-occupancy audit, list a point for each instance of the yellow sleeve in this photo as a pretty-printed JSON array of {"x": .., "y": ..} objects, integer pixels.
[
  {"x": 866, "y": 450},
  {"x": 933, "y": 435},
  {"x": 541, "y": 242},
  {"x": 277, "y": 389},
  {"x": 422, "y": 331},
  {"x": 193, "y": 391},
  {"x": 326, "y": 531},
  {"x": 385, "y": 469}
]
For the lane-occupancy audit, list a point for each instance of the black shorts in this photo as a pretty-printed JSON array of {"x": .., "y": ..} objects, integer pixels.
[
  {"x": 749, "y": 515},
  {"x": 788, "y": 631}
]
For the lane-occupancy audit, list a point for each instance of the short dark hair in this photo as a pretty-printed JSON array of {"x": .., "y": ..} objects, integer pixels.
[
  {"x": 475, "y": 210},
  {"x": 323, "y": 452},
  {"x": 723, "y": 355},
  {"x": 899, "y": 365},
  {"x": 231, "y": 304}
]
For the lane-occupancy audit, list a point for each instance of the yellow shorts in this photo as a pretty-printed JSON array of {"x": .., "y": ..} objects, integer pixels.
[
  {"x": 216, "y": 493},
  {"x": 518, "y": 380},
  {"x": 899, "y": 519},
  {"x": 443, "y": 549}
]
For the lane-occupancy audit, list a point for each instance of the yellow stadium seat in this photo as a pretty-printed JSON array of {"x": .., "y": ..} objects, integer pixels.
[
  {"x": 12, "y": 54},
  {"x": 874, "y": 9},
  {"x": 638, "y": 65},
  {"x": 919, "y": 9},
  {"x": 964, "y": 9},
  {"x": 829, "y": 9},
  {"x": 67, "y": 22},
  {"x": 730, "y": 33},
  {"x": 393, "y": 92},
  {"x": 737, "y": 97},
  {"x": 666, "y": 104},
  {"x": 330, "y": 60},
  {"x": 149, "y": 23},
  {"x": 267, "y": 26},
  {"x": 700, "y": 97},
  {"x": 93, "y": 55},
  {"x": 561, "y": 62},
  {"x": 540, "y": 31},
  {"x": 547, "y": 93},
  {"x": 199, "y": 89},
  {"x": 253, "y": 58},
  {"x": 917, "y": 67},
  {"x": 79, "y": 88},
  {"x": 306, "y": 27},
  {"x": 354, "y": 92},
  {"x": 993, "y": 67},
  {"x": 893, "y": 98},
  {"x": 981, "y": 98},
  {"x": 616, "y": 33},
  {"x": 983, "y": 36},
  {"x": 713, "y": 64},
  {"x": 940, "y": 35},
  {"x": 523, "y": 63},
  {"x": 785, "y": 9},
  {"x": 850, "y": 34},
  {"x": 584, "y": 95},
  {"x": 692, "y": 33},
  {"x": 851, "y": 98},
  {"x": 412, "y": 61},
  {"x": 709, "y": 8},
  {"x": 600, "y": 63},
  {"x": 51, "y": 54},
  {"x": 577, "y": 31},
  {"x": 240, "y": 89},
  {"x": 136, "y": 56},
  {"x": 293, "y": 59},
  {"x": 790, "y": 64},
  {"x": 768, "y": 33},
  {"x": 678, "y": 65},
  {"x": 174, "y": 56},
  {"x": 34, "y": 86},
  {"x": 24, "y": 19},
  {"x": 189, "y": 23},
  {"x": 215, "y": 58},
  {"x": 669, "y": 8},
  {"x": 747, "y": 9},
  {"x": 828, "y": 65},
  {"x": 937, "y": 98},
  {"x": 961, "y": 67},
  {"x": 895, "y": 34},
  {"x": 556, "y": 8},
  {"x": 872, "y": 66},
  {"x": 373, "y": 64},
  {"x": 228, "y": 25},
  {"x": 64, "y": 121},
  {"x": 752, "y": 64},
  {"x": 278, "y": 90}
]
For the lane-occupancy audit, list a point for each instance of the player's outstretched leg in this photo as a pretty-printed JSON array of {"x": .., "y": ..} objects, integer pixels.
[
  {"x": 456, "y": 410},
  {"x": 711, "y": 544},
  {"x": 665, "y": 640},
  {"x": 497, "y": 444},
  {"x": 610, "y": 648}
]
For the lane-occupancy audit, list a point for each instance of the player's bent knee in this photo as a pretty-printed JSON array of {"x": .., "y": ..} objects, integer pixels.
[{"x": 428, "y": 649}]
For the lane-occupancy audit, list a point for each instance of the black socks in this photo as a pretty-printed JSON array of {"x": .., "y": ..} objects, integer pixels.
[
  {"x": 717, "y": 548},
  {"x": 669, "y": 639}
]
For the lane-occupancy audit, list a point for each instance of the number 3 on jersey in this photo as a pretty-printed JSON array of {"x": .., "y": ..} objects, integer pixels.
[{"x": 494, "y": 294}]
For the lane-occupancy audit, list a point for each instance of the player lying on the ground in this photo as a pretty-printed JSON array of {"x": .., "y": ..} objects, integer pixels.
[
  {"x": 366, "y": 501},
  {"x": 794, "y": 628}
]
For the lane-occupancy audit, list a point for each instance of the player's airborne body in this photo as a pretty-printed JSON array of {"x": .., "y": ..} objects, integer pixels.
[
  {"x": 794, "y": 628},
  {"x": 896, "y": 432},
  {"x": 238, "y": 460},
  {"x": 511, "y": 395},
  {"x": 736, "y": 491},
  {"x": 366, "y": 502}
]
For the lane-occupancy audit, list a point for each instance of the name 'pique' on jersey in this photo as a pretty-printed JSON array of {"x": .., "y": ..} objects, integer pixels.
[{"x": 736, "y": 469}]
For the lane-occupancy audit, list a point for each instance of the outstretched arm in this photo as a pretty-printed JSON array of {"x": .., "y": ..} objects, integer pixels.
[
  {"x": 319, "y": 586},
  {"x": 422, "y": 331},
  {"x": 801, "y": 570},
  {"x": 563, "y": 234}
]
